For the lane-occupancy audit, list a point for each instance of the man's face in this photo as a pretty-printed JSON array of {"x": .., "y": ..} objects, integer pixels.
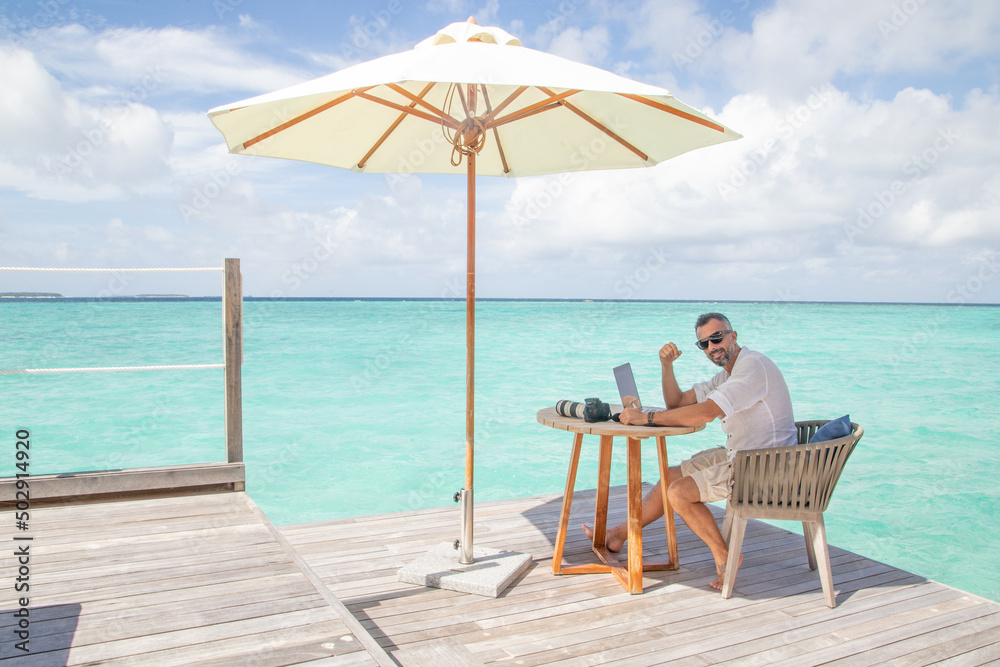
[{"x": 719, "y": 353}]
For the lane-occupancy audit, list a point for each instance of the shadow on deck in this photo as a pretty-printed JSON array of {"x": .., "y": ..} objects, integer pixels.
[
  {"x": 777, "y": 614},
  {"x": 205, "y": 578}
]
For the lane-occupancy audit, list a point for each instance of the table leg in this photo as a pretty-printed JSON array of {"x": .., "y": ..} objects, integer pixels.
[
  {"x": 609, "y": 563},
  {"x": 603, "y": 491},
  {"x": 634, "y": 491},
  {"x": 668, "y": 512},
  {"x": 574, "y": 460}
]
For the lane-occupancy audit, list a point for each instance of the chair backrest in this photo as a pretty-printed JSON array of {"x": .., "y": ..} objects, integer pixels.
[{"x": 797, "y": 478}]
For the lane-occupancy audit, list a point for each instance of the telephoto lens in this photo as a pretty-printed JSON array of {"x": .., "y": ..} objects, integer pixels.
[{"x": 570, "y": 409}]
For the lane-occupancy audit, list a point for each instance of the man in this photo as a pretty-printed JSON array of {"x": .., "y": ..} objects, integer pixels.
[{"x": 750, "y": 396}]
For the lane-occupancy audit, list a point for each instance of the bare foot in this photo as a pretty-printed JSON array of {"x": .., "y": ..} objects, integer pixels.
[
  {"x": 611, "y": 539},
  {"x": 721, "y": 569}
]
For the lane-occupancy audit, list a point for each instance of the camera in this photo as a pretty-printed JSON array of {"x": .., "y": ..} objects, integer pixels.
[{"x": 591, "y": 410}]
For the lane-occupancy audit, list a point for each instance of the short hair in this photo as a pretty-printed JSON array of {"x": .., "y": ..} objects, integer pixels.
[{"x": 705, "y": 318}]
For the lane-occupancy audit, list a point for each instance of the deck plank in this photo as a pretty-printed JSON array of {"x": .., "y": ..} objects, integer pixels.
[
  {"x": 932, "y": 647},
  {"x": 776, "y": 614},
  {"x": 208, "y": 580},
  {"x": 174, "y": 581}
]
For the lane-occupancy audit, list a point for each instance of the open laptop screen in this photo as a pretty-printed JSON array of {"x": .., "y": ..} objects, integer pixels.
[
  {"x": 626, "y": 386},
  {"x": 626, "y": 382}
]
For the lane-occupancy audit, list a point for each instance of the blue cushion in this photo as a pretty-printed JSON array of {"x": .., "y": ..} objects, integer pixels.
[{"x": 836, "y": 428}]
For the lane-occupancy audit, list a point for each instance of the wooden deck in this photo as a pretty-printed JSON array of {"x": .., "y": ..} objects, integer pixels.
[
  {"x": 776, "y": 617},
  {"x": 171, "y": 581},
  {"x": 206, "y": 579}
]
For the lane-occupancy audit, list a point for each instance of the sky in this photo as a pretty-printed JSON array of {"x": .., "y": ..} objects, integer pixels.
[{"x": 869, "y": 168}]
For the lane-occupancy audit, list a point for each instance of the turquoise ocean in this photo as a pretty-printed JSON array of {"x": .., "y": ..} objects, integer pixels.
[{"x": 355, "y": 408}]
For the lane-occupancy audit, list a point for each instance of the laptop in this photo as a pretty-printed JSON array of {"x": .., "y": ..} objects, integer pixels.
[{"x": 626, "y": 387}]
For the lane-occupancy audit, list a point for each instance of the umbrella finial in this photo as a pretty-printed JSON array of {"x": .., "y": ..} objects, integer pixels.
[{"x": 470, "y": 31}]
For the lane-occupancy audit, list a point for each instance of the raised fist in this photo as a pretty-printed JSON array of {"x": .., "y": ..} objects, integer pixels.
[{"x": 668, "y": 353}]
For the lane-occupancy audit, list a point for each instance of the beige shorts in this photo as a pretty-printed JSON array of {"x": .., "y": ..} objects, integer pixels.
[{"x": 712, "y": 472}]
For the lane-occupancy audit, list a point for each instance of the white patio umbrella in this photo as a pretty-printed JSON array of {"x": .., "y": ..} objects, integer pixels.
[{"x": 469, "y": 93}]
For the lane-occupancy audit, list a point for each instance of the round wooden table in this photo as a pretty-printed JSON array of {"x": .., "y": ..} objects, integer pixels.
[{"x": 629, "y": 574}]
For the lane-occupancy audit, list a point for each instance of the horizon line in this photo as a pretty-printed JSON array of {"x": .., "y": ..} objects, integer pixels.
[{"x": 177, "y": 298}]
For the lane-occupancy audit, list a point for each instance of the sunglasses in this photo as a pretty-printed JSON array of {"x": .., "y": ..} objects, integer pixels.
[{"x": 714, "y": 338}]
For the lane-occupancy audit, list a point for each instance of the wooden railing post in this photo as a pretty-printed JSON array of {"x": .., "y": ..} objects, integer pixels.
[{"x": 232, "y": 313}]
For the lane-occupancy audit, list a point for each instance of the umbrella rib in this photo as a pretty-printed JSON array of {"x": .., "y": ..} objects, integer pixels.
[
  {"x": 503, "y": 105},
  {"x": 496, "y": 133},
  {"x": 418, "y": 99},
  {"x": 514, "y": 117},
  {"x": 677, "y": 112},
  {"x": 307, "y": 115},
  {"x": 503, "y": 157},
  {"x": 461, "y": 96},
  {"x": 392, "y": 128},
  {"x": 448, "y": 120},
  {"x": 543, "y": 105},
  {"x": 600, "y": 126}
]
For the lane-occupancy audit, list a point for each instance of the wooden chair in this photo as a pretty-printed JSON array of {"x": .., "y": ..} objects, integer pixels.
[{"x": 792, "y": 484}]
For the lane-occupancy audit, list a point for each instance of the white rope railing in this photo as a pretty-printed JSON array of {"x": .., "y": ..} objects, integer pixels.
[
  {"x": 73, "y": 270},
  {"x": 232, "y": 310},
  {"x": 108, "y": 369}
]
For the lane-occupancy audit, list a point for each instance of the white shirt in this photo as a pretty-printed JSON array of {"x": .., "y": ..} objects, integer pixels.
[{"x": 755, "y": 402}]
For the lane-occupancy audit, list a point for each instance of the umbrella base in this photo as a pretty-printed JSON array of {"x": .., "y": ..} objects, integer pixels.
[{"x": 489, "y": 575}]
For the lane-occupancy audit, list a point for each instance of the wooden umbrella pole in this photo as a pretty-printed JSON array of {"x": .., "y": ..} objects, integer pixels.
[
  {"x": 470, "y": 323},
  {"x": 465, "y": 553}
]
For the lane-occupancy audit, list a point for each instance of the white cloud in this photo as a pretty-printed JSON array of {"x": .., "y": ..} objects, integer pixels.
[
  {"x": 77, "y": 121},
  {"x": 795, "y": 44},
  {"x": 447, "y": 6},
  {"x": 766, "y": 217},
  {"x": 670, "y": 28},
  {"x": 133, "y": 64},
  {"x": 585, "y": 46},
  {"x": 487, "y": 13},
  {"x": 788, "y": 196},
  {"x": 31, "y": 98},
  {"x": 54, "y": 146},
  {"x": 919, "y": 35}
]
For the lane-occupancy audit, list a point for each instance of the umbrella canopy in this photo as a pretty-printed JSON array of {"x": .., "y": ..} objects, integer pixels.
[
  {"x": 471, "y": 94},
  {"x": 537, "y": 113}
]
